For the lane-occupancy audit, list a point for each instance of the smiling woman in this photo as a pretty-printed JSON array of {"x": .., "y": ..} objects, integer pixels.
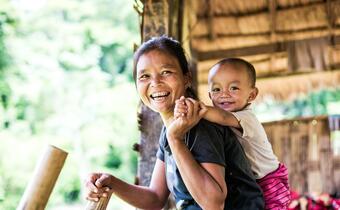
[{"x": 189, "y": 156}]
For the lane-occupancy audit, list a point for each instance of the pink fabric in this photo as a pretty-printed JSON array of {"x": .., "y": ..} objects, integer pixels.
[
  {"x": 275, "y": 189},
  {"x": 320, "y": 202}
]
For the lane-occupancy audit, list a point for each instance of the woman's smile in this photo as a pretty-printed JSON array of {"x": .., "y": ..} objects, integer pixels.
[{"x": 159, "y": 96}]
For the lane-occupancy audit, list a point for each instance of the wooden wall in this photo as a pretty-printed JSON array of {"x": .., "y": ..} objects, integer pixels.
[{"x": 305, "y": 146}]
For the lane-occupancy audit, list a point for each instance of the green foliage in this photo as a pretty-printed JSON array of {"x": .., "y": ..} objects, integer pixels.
[
  {"x": 133, "y": 158},
  {"x": 5, "y": 93},
  {"x": 71, "y": 190},
  {"x": 315, "y": 103},
  {"x": 4, "y": 58},
  {"x": 113, "y": 159},
  {"x": 5, "y": 90},
  {"x": 65, "y": 71},
  {"x": 21, "y": 107}
]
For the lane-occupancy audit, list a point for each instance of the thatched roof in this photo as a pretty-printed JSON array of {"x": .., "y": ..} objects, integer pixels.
[{"x": 268, "y": 33}]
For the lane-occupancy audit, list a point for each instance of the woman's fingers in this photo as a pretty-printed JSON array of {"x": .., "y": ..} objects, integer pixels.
[
  {"x": 96, "y": 186},
  {"x": 90, "y": 182}
]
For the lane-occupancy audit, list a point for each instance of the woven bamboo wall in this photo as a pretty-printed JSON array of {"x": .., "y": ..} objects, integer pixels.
[{"x": 305, "y": 146}]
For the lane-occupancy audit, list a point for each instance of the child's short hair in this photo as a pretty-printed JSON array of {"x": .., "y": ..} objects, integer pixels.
[{"x": 240, "y": 63}]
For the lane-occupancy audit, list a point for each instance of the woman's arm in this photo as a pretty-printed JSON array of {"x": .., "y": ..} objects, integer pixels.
[
  {"x": 152, "y": 197},
  {"x": 205, "y": 181}
]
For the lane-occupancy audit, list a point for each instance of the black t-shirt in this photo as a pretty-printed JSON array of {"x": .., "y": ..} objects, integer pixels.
[{"x": 213, "y": 143}]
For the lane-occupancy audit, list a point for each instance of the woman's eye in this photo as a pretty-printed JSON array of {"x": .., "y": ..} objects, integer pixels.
[
  {"x": 166, "y": 72},
  {"x": 144, "y": 76}
]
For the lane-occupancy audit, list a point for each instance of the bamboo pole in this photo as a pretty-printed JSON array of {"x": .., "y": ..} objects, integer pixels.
[
  {"x": 44, "y": 178},
  {"x": 100, "y": 205}
]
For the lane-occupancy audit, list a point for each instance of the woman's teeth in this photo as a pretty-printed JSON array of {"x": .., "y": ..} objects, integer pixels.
[{"x": 159, "y": 95}]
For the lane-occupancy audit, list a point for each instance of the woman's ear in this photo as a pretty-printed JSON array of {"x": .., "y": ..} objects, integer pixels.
[
  {"x": 187, "y": 85},
  {"x": 253, "y": 94}
]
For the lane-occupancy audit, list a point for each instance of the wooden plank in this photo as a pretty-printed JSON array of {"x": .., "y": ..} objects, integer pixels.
[
  {"x": 303, "y": 144},
  {"x": 286, "y": 145},
  {"x": 313, "y": 146},
  {"x": 291, "y": 19},
  {"x": 336, "y": 162},
  {"x": 272, "y": 11},
  {"x": 304, "y": 119},
  {"x": 226, "y": 8},
  {"x": 300, "y": 141},
  {"x": 325, "y": 157},
  {"x": 174, "y": 19},
  {"x": 244, "y": 51},
  {"x": 211, "y": 30},
  {"x": 276, "y": 47}
]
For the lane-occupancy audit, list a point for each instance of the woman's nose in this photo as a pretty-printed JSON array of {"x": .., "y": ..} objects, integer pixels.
[{"x": 155, "y": 80}]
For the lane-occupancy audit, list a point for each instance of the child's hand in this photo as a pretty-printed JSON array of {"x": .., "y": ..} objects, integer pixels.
[
  {"x": 203, "y": 109},
  {"x": 180, "y": 108}
]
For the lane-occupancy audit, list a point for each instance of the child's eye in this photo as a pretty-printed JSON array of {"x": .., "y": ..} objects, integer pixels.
[
  {"x": 234, "y": 88},
  {"x": 215, "y": 90}
]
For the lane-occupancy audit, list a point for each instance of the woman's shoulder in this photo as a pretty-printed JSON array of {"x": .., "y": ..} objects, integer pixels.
[
  {"x": 213, "y": 131},
  {"x": 205, "y": 126}
]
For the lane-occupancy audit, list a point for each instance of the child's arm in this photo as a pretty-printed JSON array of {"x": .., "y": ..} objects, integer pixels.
[
  {"x": 220, "y": 116},
  {"x": 212, "y": 114}
]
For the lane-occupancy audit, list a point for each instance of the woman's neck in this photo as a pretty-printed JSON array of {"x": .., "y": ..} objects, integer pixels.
[{"x": 167, "y": 118}]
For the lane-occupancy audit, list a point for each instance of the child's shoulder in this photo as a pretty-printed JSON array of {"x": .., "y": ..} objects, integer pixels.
[{"x": 246, "y": 112}]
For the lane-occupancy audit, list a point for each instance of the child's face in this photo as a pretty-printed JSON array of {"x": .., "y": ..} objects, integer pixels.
[{"x": 230, "y": 88}]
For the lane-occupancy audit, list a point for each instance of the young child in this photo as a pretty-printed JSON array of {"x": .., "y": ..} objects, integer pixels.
[{"x": 232, "y": 89}]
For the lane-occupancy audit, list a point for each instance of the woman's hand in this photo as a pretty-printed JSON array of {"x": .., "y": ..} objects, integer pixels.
[
  {"x": 188, "y": 113},
  {"x": 98, "y": 185}
]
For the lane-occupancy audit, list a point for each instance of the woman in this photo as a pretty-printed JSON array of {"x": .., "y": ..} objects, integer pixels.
[{"x": 195, "y": 164}]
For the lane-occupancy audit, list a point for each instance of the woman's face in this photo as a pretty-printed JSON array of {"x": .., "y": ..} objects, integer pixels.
[{"x": 160, "y": 81}]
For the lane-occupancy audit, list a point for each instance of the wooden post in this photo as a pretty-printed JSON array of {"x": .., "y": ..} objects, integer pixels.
[
  {"x": 155, "y": 23},
  {"x": 44, "y": 178},
  {"x": 326, "y": 158},
  {"x": 100, "y": 205}
]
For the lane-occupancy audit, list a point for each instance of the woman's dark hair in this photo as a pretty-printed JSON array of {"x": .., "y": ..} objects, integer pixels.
[{"x": 167, "y": 45}]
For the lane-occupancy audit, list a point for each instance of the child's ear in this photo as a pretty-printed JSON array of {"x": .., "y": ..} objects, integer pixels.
[{"x": 253, "y": 94}]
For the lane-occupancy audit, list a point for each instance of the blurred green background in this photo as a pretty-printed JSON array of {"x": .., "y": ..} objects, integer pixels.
[{"x": 66, "y": 80}]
